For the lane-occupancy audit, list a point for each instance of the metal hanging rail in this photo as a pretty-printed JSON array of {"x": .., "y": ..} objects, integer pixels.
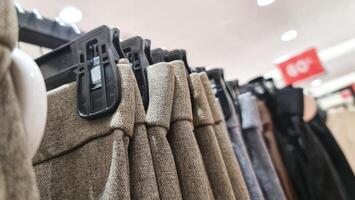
[{"x": 43, "y": 32}]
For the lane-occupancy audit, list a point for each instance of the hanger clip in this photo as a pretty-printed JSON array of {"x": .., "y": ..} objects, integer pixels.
[
  {"x": 90, "y": 60},
  {"x": 134, "y": 50}
]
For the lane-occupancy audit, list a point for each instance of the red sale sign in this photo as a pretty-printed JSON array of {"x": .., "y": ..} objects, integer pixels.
[{"x": 301, "y": 66}]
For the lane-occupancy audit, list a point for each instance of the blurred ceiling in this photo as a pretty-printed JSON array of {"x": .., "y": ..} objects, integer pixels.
[{"x": 237, "y": 35}]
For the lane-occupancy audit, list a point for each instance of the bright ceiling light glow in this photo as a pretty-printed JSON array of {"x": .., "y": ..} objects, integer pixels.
[
  {"x": 289, "y": 35},
  {"x": 316, "y": 83},
  {"x": 265, "y": 2},
  {"x": 70, "y": 15},
  {"x": 337, "y": 51}
]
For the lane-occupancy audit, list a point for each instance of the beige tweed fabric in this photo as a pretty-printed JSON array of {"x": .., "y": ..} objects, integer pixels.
[
  {"x": 142, "y": 176},
  {"x": 161, "y": 92},
  {"x": 208, "y": 143},
  {"x": 17, "y": 178},
  {"x": 8, "y": 34},
  {"x": 92, "y": 159},
  {"x": 231, "y": 162},
  {"x": 189, "y": 164}
]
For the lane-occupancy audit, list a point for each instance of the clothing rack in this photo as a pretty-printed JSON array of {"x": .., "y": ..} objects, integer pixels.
[
  {"x": 43, "y": 32},
  {"x": 205, "y": 137}
]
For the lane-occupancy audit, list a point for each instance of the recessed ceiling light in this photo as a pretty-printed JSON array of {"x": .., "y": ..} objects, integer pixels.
[
  {"x": 265, "y": 2},
  {"x": 70, "y": 15},
  {"x": 289, "y": 35},
  {"x": 316, "y": 83}
]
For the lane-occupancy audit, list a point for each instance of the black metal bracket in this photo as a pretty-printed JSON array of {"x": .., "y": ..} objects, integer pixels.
[{"x": 216, "y": 77}]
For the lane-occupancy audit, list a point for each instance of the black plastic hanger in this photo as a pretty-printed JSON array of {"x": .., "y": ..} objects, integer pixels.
[
  {"x": 233, "y": 88},
  {"x": 134, "y": 49},
  {"x": 234, "y": 85},
  {"x": 147, "y": 51},
  {"x": 270, "y": 85},
  {"x": 116, "y": 42},
  {"x": 199, "y": 69},
  {"x": 246, "y": 88},
  {"x": 262, "y": 89},
  {"x": 259, "y": 88},
  {"x": 216, "y": 77},
  {"x": 159, "y": 55},
  {"x": 90, "y": 60},
  {"x": 179, "y": 54}
]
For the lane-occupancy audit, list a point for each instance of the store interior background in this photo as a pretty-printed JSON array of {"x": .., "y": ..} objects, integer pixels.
[{"x": 242, "y": 36}]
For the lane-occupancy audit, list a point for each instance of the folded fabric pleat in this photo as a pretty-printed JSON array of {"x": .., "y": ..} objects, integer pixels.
[
  {"x": 231, "y": 162},
  {"x": 161, "y": 91},
  {"x": 271, "y": 144},
  {"x": 192, "y": 174},
  {"x": 241, "y": 152},
  {"x": 92, "y": 159},
  {"x": 208, "y": 143},
  {"x": 262, "y": 164}
]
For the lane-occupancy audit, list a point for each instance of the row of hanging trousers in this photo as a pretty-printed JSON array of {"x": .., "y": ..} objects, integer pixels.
[
  {"x": 198, "y": 137},
  {"x": 316, "y": 164},
  {"x": 173, "y": 151},
  {"x": 181, "y": 148}
]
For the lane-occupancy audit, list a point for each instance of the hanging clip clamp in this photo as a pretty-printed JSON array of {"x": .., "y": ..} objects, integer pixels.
[
  {"x": 134, "y": 51},
  {"x": 90, "y": 60}
]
